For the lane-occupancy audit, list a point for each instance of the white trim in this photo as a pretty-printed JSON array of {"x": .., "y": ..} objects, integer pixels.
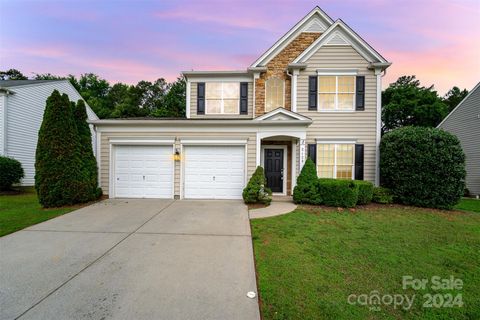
[
  {"x": 213, "y": 142},
  {"x": 283, "y": 93},
  {"x": 294, "y": 84},
  {"x": 294, "y": 164},
  {"x": 337, "y": 72},
  {"x": 290, "y": 35},
  {"x": 458, "y": 106},
  {"x": 237, "y": 78},
  {"x": 188, "y": 97},
  {"x": 283, "y": 111},
  {"x": 378, "y": 134},
  {"x": 327, "y": 141},
  {"x": 285, "y": 164},
  {"x": 141, "y": 141},
  {"x": 111, "y": 170},
  {"x": 355, "y": 41}
]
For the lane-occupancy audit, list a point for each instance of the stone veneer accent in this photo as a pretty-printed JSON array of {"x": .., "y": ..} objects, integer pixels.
[{"x": 278, "y": 66}]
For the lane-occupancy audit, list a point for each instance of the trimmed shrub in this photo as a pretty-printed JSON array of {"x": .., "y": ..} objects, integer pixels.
[
  {"x": 338, "y": 193},
  {"x": 423, "y": 167},
  {"x": 365, "y": 191},
  {"x": 11, "y": 172},
  {"x": 89, "y": 169},
  {"x": 58, "y": 165},
  {"x": 255, "y": 191},
  {"x": 306, "y": 190},
  {"x": 382, "y": 195}
]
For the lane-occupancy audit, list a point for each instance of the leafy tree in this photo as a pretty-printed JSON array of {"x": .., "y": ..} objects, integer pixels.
[
  {"x": 150, "y": 95},
  {"x": 174, "y": 101},
  {"x": 58, "y": 164},
  {"x": 454, "y": 96},
  {"x": 48, "y": 76},
  {"x": 406, "y": 103},
  {"x": 89, "y": 169},
  {"x": 12, "y": 74}
]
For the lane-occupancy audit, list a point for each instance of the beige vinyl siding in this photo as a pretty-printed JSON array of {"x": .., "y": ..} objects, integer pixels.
[
  {"x": 359, "y": 125},
  {"x": 193, "y": 105},
  {"x": 105, "y": 150},
  {"x": 464, "y": 122}
]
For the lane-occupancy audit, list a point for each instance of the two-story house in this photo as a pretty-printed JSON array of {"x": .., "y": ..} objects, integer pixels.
[{"x": 316, "y": 92}]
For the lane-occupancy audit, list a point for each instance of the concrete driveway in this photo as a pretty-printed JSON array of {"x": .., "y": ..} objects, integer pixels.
[{"x": 132, "y": 259}]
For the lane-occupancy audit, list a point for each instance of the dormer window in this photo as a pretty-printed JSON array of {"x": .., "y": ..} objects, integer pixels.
[{"x": 274, "y": 94}]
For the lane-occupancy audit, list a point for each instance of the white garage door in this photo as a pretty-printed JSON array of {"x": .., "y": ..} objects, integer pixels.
[
  {"x": 214, "y": 172},
  {"x": 143, "y": 172}
]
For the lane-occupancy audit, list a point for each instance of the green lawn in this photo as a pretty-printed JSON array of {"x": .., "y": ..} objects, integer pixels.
[
  {"x": 472, "y": 205},
  {"x": 310, "y": 261},
  {"x": 22, "y": 210}
]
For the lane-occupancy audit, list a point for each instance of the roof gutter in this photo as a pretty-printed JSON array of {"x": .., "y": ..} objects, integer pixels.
[{"x": 198, "y": 123}]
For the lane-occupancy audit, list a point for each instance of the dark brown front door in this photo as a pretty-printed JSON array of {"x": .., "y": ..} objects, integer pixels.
[{"x": 274, "y": 169}]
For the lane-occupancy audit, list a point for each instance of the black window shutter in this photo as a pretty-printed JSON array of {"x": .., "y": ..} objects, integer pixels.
[
  {"x": 359, "y": 162},
  {"x": 243, "y": 97},
  {"x": 312, "y": 152},
  {"x": 312, "y": 92},
  {"x": 360, "y": 94},
  {"x": 201, "y": 98}
]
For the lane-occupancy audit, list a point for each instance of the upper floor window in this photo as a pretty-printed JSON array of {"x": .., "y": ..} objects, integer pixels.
[
  {"x": 222, "y": 97},
  {"x": 336, "y": 93},
  {"x": 335, "y": 161},
  {"x": 274, "y": 94}
]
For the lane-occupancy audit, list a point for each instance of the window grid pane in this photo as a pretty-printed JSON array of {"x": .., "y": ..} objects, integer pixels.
[
  {"x": 335, "y": 160},
  {"x": 274, "y": 88},
  {"x": 336, "y": 92},
  {"x": 222, "y": 97}
]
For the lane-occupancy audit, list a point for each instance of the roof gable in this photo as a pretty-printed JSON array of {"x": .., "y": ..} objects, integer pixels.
[
  {"x": 281, "y": 114},
  {"x": 340, "y": 33},
  {"x": 464, "y": 101},
  {"x": 315, "y": 21}
]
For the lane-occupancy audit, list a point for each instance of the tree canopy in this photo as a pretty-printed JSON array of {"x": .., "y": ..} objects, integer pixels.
[
  {"x": 159, "y": 98},
  {"x": 12, "y": 74},
  {"x": 407, "y": 103}
]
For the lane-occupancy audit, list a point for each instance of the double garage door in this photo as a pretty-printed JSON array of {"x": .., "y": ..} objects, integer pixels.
[{"x": 209, "y": 172}]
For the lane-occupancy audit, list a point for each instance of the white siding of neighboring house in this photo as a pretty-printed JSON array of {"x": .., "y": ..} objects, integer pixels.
[
  {"x": 464, "y": 122},
  {"x": 2, "y": 127},
  {"x": 24, "y": 118}
]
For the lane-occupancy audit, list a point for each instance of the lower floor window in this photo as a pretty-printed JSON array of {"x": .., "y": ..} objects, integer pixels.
[{"x": 335, "y": 160}]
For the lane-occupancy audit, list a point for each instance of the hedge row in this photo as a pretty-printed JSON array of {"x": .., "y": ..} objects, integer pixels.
[{"x": 330, "y": 192}]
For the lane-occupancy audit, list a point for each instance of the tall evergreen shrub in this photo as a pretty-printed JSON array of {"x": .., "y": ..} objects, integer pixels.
[
  {"x": 306, "y": 190},
  {"x": 89, "y": 169}
]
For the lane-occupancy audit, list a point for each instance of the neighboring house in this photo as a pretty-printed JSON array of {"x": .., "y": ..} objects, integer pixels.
[
  {"x": 464, "y": 122},
  {"x": 315, "y": 92},
  {"x": 22, "y": 104}
]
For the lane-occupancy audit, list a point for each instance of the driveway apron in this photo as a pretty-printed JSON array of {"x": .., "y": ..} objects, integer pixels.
[{"x": 132, "y": 259}]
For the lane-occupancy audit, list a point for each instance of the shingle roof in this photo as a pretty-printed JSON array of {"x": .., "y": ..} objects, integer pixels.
[{"x": 16, "y": 83}]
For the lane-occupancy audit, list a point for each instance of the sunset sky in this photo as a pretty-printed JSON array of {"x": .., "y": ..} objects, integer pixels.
[{"x": 128, "y": 41}]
